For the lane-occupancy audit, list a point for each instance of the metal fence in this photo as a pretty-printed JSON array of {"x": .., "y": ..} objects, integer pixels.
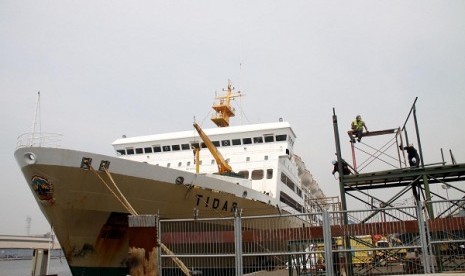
[{"x": 385, "y": 241}]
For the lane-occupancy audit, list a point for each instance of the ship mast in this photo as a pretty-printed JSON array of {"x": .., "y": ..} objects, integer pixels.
[
  {"x": 223, "y": 107},
  {"x": 36, "y": 125}
]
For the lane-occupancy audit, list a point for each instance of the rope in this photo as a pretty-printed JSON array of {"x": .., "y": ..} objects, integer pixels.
[
  {"x": 128, "y": 208},
  {"x": 175, "y": 259},
  {"x": 122, "y": 199},
  {"x": 120, "y": 193}
]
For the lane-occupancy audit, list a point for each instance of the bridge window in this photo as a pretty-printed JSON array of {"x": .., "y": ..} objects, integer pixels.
[
  {"x": 226, "y": 143},
  {"x": 156, "y": 149},
  {"x": 185, "y": 146},
  {"x": 121, "y": 152},
  {"x": 166, "y": 148},
  {"x": 282, "y": 137},
  {"x": 176, "y": 147},
  {"x": 247, "y": 141},
  {"x": 257, "y": 140},
  {"x": 139, "y": 150},
  {"x": 130, "y": 151},
  {"x": 216, "y": 143},
  {"x": 269, "y": 138},
  {"x": 148, "y": 150},
  {"x": 236, "y": 142}
]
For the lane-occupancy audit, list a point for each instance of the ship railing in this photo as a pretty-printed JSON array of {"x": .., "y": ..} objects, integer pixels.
[{"x": 42, "y": 139}]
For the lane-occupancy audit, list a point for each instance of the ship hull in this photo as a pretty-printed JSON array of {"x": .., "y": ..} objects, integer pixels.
[{"x": 91, "y": 223}]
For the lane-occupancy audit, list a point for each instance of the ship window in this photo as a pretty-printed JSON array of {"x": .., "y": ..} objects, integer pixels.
[
  {"x": 287, "y": 181},
  {"x": 179, "y": 164},
  {"x": 266, "y": 157},
  {"x": 176, "y": 147},
  {"x": 121, "y": 152},
  {"x": 156, "y": 149},
  {"x": 212, "y": 162},
  {"x": 148, "y": 150},
  {"x": 188, "y": 163},
  {"x": 245, "y": 174},
  {"x": 247, "y": 159},
  {"x": 226, "y": 143},
  {"x": 195, "y": 145},
  {"x": 284, "y": 198},
  {"x": 139, "y": 150},
  {"x": 257, "y": 174},
  {"x": 236, "y": 142},
  {"x": 282, "y": 137},
  {"x": 269, "y": 138},
  {"x": 246, "y": 141},
  {"x": 269, "y": 173},
  {"x": 203, "y": 145},
  {"x": 258, "y": 140},
  {"x": 130, "y": 151},
  {"x": 166, "y": 148},
  {"x": 185, "y": 146},
  {"x": 168, "y": 165}
]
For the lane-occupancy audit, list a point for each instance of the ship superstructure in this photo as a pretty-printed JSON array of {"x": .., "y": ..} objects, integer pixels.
[{"x": 260, "y": 153}]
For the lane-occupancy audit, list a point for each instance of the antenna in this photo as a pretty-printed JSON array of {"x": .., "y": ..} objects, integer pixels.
[{"x": 36, "y": 124}]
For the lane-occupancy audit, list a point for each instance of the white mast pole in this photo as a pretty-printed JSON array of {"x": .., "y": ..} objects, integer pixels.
[{"x": 36, "y": 123}]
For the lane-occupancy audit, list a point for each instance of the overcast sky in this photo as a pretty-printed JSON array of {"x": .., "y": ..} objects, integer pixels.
[{"x": 108, "y": 68}]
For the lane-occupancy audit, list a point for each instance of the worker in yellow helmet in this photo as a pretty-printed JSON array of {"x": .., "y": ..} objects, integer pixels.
[{"x": 357, "y": 129}]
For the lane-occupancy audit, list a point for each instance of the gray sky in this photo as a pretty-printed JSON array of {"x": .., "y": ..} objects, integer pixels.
[{"x": 107, "y": 68}]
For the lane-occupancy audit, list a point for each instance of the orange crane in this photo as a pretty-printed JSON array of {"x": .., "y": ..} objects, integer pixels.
[{"x": 223, "y": 166}]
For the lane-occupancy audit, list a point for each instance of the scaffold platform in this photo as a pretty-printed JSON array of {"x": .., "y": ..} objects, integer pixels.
[{"x": 404, "y": 176}]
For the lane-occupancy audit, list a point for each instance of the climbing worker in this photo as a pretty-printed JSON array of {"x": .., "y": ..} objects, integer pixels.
[
  {"x": 345, "y": 167},
  {"x": 357, "y": 129},
  {"x": 412, "y": 154}
]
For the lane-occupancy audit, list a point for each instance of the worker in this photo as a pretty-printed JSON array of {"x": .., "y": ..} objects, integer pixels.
[
  {"x": 412, "y": 154},
  {"x": 345, "y": 167},
  {"x": 357, "y": 129}
]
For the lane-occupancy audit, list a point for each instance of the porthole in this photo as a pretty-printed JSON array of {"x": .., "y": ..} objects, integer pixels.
[{"x": 30, "y": 158}]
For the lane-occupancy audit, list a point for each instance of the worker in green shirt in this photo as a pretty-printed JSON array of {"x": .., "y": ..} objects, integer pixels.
[{"x": 357, "y": 129}]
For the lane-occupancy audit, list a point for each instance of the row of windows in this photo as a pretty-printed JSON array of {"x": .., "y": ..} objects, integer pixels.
[
  {"x": 291, "y": 184},
  {"x": 257, "y": 174},
  {"x": 284, "y": 198},
  {"x": 223, "y": 143}
]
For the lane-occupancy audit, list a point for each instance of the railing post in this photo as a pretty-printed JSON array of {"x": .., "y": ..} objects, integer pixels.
[
  {"x": 238, "y": 242},
  {"x": 328, "y": 243},
  {"x": 423, "y": 240},
  {"x": 158, "y": 236}
]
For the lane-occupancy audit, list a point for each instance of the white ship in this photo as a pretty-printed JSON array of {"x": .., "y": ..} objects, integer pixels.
[{"x": 162, "y": 174}]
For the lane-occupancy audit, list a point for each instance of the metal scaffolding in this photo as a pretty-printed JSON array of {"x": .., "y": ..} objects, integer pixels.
[{"x": 399, "y": 174}]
